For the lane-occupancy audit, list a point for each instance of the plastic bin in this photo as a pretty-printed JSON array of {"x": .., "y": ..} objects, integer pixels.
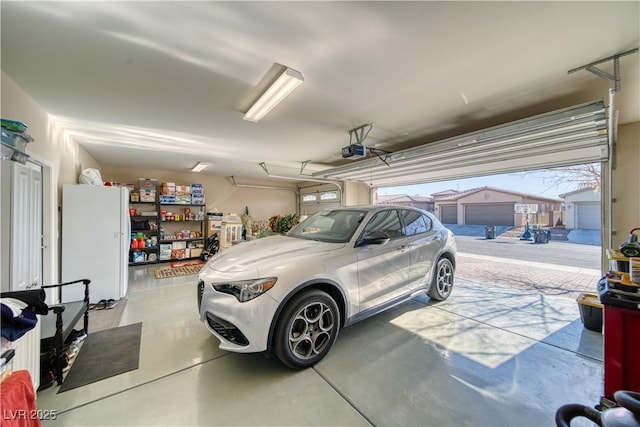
[
  {"x": 542, "y": 236},
  {"x": 13, "y": 125},
  {"x": 489, "y": 232},
  {"x": 590, "y": 311},
  {"x": 617, "y": 261}
]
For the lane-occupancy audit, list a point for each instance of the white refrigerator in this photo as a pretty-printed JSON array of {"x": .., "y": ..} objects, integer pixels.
[{"x": 96, "y": 232}]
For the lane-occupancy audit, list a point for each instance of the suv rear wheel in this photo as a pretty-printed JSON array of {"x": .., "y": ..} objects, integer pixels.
[{"x": 442, "y": 282}]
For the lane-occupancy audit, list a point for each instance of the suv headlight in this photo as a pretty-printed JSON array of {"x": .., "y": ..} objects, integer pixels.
[{"x": 246, "y": 290}]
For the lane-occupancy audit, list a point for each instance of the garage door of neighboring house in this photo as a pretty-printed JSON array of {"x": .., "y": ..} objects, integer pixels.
[
  {"x": 490, "y": 214},
  {"x": 588, "y": 215},
  {"x": 449, "y": 214}
]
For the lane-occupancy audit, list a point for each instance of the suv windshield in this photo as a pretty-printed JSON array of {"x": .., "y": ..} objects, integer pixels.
[{"x": 329, "y": 226}]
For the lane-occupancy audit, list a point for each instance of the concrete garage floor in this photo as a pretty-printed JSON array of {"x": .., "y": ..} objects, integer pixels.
[{"x": 488, "y": 356}]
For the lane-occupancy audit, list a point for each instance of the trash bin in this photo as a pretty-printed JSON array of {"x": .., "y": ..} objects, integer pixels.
[
  {"x": 489, "y": 232},
  {"x": 542, "y": 236}
]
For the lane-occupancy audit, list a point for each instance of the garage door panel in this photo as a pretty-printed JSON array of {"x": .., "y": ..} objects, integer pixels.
[
  {"x": 588, "y": 216},
  {"x": 489, "y": 214},
  {"x": 449, "y": 214},
  {"x": 317, "y": 201}
]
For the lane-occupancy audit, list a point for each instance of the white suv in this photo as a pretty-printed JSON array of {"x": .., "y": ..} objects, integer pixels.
[{"x": 290, "y": 295}]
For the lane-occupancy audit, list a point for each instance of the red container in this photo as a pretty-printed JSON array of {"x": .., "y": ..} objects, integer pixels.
[
  {"x": 621, "y": 350},
  {"x": 132, "y": 212}
]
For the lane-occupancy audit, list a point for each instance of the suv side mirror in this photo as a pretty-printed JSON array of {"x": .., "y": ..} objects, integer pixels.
[{"x": 373, "y": 238}]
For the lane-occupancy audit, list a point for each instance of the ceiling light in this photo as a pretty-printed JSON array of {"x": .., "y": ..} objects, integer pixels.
[
  {"x": 287, "y": 81},
  {"x": 200, "y": 166}
]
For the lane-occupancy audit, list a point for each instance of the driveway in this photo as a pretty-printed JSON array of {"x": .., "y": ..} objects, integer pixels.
[{"x": 557, "y": 268}]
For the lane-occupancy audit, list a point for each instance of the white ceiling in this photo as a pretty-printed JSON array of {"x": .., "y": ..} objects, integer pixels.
[{"x": 163, "y": 85}]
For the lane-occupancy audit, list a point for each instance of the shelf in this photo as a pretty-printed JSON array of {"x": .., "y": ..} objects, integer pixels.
[
  {"x": 178, "y": 259},
  {"x": 142, "y": 263},
  {"x": 145, "y": 231},
  {"x": 180, "y": 204},
  {"x": 181, "y": 240},
  {"x": 153, "y": 216}
]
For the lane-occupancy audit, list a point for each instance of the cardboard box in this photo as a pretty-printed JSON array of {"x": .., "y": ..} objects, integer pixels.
[
  {"x": 197, "y": 190},
  {"x": 178, "y": 245},
  {"x": 183, "y": 190},
  {"x": 178, "y": 253},
  {"x": 165, "y": 251},
  {"x": 168, "y": 188},
  {"x": 148, "y": 184},
  {"x": 167, "y": 199},
  {"x": 147, "y": 195}
]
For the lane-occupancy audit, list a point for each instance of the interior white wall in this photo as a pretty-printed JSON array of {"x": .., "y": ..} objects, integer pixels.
[
  {"x": 61, "y": 157},
  {"x": 626, "y": 183}
]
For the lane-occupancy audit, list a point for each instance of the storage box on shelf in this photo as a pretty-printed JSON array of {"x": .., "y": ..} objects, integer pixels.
[
  {"x": 14, "y": 140},
  {"x": 182, "y": 224},
  {"x": 617, "y": 261},
  {"x": 144, "y": 247}
]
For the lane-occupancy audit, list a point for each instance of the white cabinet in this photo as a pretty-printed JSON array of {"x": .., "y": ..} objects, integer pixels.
[{"x": 20, "y": 226}]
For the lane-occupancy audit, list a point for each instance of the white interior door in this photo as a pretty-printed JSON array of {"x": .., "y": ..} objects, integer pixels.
[
  {"x": 21, "y": 240},
  {"x": 35, "y": 228},
  {"x": 20, "y": 233}
]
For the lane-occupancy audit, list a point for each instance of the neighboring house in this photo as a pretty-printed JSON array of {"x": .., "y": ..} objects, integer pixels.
[
  {"x": 583, "y": 209},
  {"x": 422, "y": 202},
  {"x": 494, "y": 206}
]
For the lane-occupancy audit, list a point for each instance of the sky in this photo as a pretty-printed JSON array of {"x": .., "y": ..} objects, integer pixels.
[{"x": 537, "y": 183}]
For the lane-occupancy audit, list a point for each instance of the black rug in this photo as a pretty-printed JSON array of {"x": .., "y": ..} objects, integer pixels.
[{"x": 104, "y": 354}]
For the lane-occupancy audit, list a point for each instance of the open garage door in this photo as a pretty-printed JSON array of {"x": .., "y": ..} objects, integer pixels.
[
  {"x": 489, "y": 214},
  {"x": 569, "y": 136}
]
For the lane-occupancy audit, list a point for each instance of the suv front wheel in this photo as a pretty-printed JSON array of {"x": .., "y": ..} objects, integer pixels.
[{"x": 306, "y": 329}]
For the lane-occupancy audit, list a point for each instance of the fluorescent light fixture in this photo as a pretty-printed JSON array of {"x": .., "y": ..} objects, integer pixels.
[
  {"x": 200, "y": 166},
  {"x": 282, "y": 86}
]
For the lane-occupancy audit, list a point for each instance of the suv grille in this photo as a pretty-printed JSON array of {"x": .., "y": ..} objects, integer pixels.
[
  {"x": 200, "y": 292},
  {"x": 227, "y": 330}
]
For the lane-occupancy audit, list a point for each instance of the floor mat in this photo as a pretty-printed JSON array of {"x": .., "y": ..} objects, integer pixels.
[
  {"x": 186, "y": 263},
  {"x": 105, "y": 354},
  {"x": 104, "y": 319},
  {"x": 164, "y": 273}
]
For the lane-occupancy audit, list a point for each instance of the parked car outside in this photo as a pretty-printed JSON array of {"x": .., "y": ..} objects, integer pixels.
[{"x": 290, "y": 295}]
